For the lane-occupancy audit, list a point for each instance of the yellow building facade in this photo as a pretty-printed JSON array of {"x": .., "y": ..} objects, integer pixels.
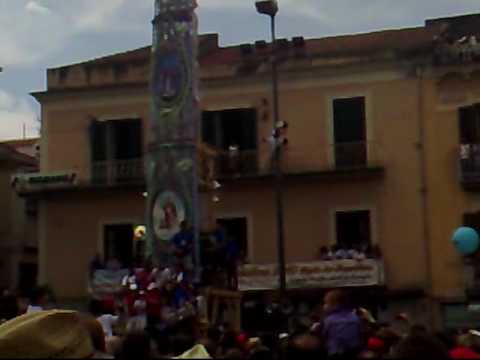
[
  {"x": 18, "y": 228},
  {"x": 373, "y": 155}
]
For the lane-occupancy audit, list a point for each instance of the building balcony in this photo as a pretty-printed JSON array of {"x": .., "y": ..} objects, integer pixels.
[
  {"x": 354, "y": 157},
  {"x": 235, "y": 164},
  {"x": 348, "y": 161},
  {"x": 469, "y": 166},
  {"x": 118, "y": 172},
  {"x": 345, "y": 160},
  {"x": 107, "y": 174}
]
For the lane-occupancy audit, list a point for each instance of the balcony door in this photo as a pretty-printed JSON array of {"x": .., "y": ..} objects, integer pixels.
[
  {"x": 469, "y": 129},
  {"x": 119, "y": 243},
  {"x": 126, "y": 139},
  {"x": 349, "y": 132},
  {"x": 235, "y": 133},
  {"x": 353, "y": 228},
  {"x": 116, "y": 148},
  {"x": 236, "y": 230},
  {"x": 469, "y": 117}
]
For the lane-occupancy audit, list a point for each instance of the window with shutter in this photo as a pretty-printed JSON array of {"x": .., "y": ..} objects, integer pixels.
[
  {"x": 350, "y": 132},
  {"x": 353, "y": 228},
  {"x": 469, "y": 118},
  {"x": 116, "y": 151},
  {"x": 127, "y": 139},
  {"x": 98, "y": 140},
  {"x": 234, "y": 127},
  {"x": 235, "y": 132}
]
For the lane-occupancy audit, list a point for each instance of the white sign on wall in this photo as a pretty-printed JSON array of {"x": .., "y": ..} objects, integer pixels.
[
  {"x": 41, "y": 181},
  {"x": 321, "y": 274}
]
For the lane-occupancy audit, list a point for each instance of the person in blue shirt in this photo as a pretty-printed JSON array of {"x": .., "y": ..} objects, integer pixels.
[
  {"x": 341, "y": 327},
  {"x": 183, "y": 245},
  {"x": 219, "y": 236},
  {"x": 219, "y": 242},
  {"x": 232, "y": 256}
]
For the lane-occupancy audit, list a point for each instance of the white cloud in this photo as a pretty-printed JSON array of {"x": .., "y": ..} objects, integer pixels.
[
  {"x": 32, "y": 30},
  {"x": 7, "y": 101},
  {"x": 15, "y": 113},
  {"x": 305, "y": 7},
  {"x": 28, "y": 33},
  {"x": 354, "y": 15},
  {"x": 225, "y": 4},
  {"x": 98, "y": 19},
  {"x": 34, "y": 7}
]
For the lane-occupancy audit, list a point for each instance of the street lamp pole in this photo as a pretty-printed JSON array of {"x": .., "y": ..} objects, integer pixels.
[{"x": 270, "y": 8}]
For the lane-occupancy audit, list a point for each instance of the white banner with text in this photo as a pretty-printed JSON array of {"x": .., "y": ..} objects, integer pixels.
[{"x": 321, "y": 274}]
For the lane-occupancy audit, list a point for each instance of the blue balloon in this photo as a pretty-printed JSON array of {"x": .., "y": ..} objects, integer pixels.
[{"x": 466, "y": 240}]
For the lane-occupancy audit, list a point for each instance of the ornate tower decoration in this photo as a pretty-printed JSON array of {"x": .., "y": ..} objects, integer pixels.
[{"x": 172, "y": 173}]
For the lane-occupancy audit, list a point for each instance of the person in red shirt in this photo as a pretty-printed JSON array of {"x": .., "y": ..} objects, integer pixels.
[
  {"x": 142, "y": 278},
  {"x": 154, "y": 306},
  {"x": 461, "y": 352},
  {"x": 129, "y": 300},
  {"x": 463, "y": 348},
  {"x": 108, "y": 303},
  {"x": 146, "y": 275}
]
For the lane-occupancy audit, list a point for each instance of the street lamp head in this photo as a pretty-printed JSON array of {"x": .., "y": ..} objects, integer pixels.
[{"x": 267, "y": 7}]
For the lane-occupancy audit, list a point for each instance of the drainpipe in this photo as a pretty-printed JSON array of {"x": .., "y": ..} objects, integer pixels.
[{"x": 420, "y": 70}]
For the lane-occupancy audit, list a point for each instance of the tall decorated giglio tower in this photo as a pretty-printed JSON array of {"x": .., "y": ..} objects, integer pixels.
[{"x": 173, "y": 135}]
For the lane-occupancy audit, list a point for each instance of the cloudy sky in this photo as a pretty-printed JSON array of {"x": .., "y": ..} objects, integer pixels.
[{"x": 38, "y": 34}]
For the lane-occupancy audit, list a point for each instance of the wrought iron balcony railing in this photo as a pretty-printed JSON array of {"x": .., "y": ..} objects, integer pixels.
[
  {"x": 354, "y": 155},
  {"x": 120, "y": 172},
  {"x": 116, "y": 172},
  {"x": 107, "y": 173},
  {"x": 217, "y": 164},
  {"x": 340, "y": 157},
  {"x": 237, "y": 163}
]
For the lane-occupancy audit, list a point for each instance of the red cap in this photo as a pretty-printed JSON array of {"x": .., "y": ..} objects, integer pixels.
[
  {"x": 375, "y": 344},
  {"x": 242, "y": 339}
]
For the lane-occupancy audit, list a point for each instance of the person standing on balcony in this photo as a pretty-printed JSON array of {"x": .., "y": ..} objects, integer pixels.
[
  {"x": 341, "y": 252},
  {"x": 324, "y": 254},
  {"x": 234, "y": 159}
]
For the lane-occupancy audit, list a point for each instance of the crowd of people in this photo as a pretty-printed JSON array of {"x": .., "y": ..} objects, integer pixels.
[
  {"x": 220, "y": 255},
  {"x": 149, "y": 299},
  {"x": 343, "y": 252},
  {"x": 161, "y": 313},
  {"x": 337, "y": 331}
]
